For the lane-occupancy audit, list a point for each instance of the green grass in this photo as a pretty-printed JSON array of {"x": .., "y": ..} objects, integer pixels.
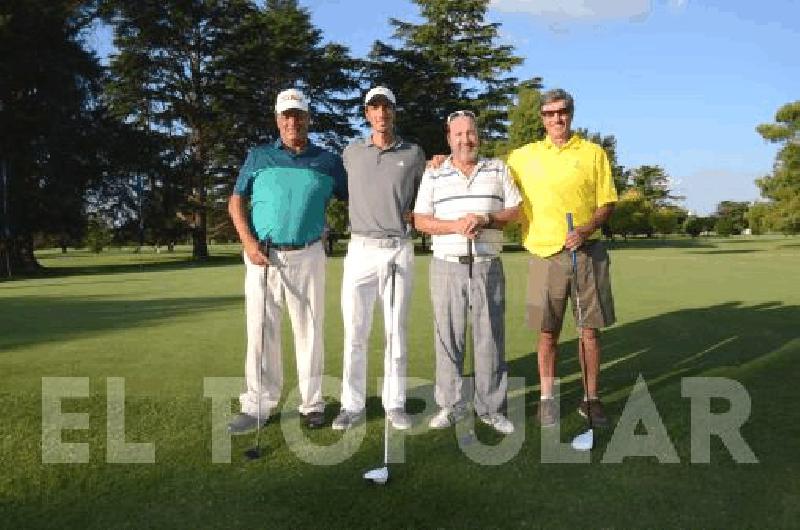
[{"x": 727, "y": 308}]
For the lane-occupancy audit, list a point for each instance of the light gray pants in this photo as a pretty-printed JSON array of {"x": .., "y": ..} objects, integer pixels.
[{"x": 450, "y": 297}]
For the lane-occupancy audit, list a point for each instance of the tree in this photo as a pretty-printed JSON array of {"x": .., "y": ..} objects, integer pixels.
[
  {"x": 735, "y": 215},
  {"x": 525, "y": 124},
  {"x": 52, "y": 123},
  {"x": 782, "y": 187},
  {"x": 653, "y": 183},
  {"x": 449, "y": 61},
  {"x": 758, "y": 217},
  {"x": 336, "y": 218},
  {"x": 632, "y": 215},
  {"x": 664, "y": 220},
  {"x": 203, "y": 75}
]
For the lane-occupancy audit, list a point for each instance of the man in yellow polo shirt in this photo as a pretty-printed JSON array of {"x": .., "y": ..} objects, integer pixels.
[{"x": 558, "y": 175}]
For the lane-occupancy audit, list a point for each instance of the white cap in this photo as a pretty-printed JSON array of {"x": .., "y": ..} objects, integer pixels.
[
  {"x": 291, "y": 99},
  {"x": 380, "y": 91}
]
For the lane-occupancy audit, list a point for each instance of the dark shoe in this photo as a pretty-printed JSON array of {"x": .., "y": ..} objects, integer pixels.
[
  {"x": 599, "y": 418},
  {"x": 547, "y": 414},
  {"x": 243, "y": 423},
  {"x": 314, "y": 419}
]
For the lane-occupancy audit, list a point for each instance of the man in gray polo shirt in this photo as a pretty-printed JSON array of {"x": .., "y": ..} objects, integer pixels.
[
  {"x": 383, "y": 173},
  {"x": 464, "y": 203}
]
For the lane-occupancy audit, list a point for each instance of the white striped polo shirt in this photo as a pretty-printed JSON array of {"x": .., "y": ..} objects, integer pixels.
[{"x": 448, "y": 194}]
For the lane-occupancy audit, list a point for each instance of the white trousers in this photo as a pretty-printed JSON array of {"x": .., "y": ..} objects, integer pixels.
[
  {"x": 367, "y": 276},
  {"x": 298, "y": 277}
]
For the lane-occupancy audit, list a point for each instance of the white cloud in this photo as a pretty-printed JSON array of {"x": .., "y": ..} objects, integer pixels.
[{"x": 580, "y": 9}]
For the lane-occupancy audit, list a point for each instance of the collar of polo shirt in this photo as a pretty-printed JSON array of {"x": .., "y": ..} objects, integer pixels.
[
  {"x": 573, "y": 141},
  {"x": 397, "y": 141}
]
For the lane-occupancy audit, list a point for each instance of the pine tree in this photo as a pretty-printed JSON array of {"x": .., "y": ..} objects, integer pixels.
[
  {"x": 51, "y": 124},
  {"x": 450, "y": 61}
]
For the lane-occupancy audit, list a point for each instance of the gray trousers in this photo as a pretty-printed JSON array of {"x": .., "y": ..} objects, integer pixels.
[{"x": 450, "y": 297}]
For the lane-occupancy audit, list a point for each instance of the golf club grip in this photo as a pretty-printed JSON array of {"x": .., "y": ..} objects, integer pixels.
[
  {"x": 393, "y": 268},
  {"x": 570, "y": 228},
  {"x": 470, "y": 256}
]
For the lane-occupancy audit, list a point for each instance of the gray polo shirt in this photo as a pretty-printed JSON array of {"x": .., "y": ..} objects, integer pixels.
[{"x": 382, "y": 185}]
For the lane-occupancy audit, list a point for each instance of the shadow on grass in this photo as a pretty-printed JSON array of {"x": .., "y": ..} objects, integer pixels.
[
  {"x": 729, "y": 251},
  {"x": 33, "y": 319},
  {"x": 640, "y": 244},
  {"x": 184, "y": 489},
  {"x": 162, "y": 263},
  {"x": 682, "y": 343}
]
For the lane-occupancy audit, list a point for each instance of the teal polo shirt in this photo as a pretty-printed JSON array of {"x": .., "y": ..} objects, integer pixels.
[{"x": 289, "y": 191}]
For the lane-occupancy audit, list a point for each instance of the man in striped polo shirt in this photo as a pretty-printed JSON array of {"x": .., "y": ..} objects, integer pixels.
[
  {"x": 278, "y": 209},
  {"x": 466, "y": 201}
]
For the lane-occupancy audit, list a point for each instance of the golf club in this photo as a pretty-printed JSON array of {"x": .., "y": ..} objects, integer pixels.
[
  {"x": 469, "y": 437},
  {"x": 584, "y": 441},
  {"x": 254, "y": 453},
  {"x": 381, "y": 475}
]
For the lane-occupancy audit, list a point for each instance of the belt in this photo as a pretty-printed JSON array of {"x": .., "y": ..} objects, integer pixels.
[
  {"x": 380, "y": 242},
  {"x": 465, "y": 259},
  {"x": 285, "y": 248}
]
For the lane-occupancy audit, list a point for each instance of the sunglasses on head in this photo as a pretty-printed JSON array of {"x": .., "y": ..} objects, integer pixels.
[{"x": 460, "y": 114}]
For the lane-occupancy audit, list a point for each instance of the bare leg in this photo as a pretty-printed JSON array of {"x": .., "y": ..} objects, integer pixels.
[
  {"x": 591, "y": 351},
  {"x": 547, "y": 352}
]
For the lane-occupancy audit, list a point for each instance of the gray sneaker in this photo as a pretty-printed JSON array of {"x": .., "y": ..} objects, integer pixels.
[
  {"x": 446, "y": 417},
  {"x": 243, "y": 423},
  {"x": 399, "y": 419},
  {"x": 347, "y": 419}
]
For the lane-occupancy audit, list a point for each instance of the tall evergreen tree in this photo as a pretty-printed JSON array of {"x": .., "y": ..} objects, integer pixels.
[
  {"x": 450, "y": 61},
  {"x": 51, "y": 123},
  {"x": 204, "y": 74},
  {"x": 782, "y": 187}
]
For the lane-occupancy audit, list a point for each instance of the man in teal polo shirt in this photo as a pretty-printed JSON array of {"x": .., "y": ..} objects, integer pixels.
[{"x": 278, "y": 209}]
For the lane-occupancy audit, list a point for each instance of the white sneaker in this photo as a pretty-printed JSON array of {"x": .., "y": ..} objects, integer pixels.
[
  {"x": 445, "y": 418},
  {"x": 399, "y": 419},
  {"x": 498, "y": 422},
  {"x": 441, "y": 420}
]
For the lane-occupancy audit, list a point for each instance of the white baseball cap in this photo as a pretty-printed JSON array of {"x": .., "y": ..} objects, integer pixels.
[
  {"x": 380, "y": 91},
  {"x": 291, "y": 99}
]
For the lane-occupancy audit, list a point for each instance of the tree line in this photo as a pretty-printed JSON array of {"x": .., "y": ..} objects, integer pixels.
[{"x": 146, "y": 148}]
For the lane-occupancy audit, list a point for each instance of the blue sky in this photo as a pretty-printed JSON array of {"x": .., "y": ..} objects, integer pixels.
[{"x": 680, "y": 83}]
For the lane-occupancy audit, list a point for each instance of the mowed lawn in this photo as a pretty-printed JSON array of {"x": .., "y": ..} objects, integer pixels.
[{"x": 726, "y": 308}]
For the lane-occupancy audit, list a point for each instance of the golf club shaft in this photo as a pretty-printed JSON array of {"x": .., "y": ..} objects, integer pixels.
[
  {"x": 393, "y": 268},
  {"x": 263, "y": 345},
  {"x": 579, "y": 324}
]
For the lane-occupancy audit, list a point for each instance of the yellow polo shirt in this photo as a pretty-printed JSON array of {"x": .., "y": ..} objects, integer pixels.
[{"x": 575, "y": 177}]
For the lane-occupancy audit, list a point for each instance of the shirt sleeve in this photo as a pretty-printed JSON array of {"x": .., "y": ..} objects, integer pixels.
[
  {"x": 424, "y": 203},
  {"x": 606, "y": 191},
  {"x": 419, "y": 171},
  {"x": 511, "y": 196},
  {"x": 244, "y": 182}
]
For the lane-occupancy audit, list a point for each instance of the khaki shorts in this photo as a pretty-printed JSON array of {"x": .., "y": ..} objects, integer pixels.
[{"x": 550, "y": 285}]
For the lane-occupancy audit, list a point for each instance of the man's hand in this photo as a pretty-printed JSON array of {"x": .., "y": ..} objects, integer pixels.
[
  {"x": 578, "y": 236},
  {"x": 254, "y": 254},
  {"x": 436, "y": 162},
  {"x": 472, "y": 224}
]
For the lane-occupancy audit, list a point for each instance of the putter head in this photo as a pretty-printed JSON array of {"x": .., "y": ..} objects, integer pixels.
[
  {"x": 584, "y": 441},
  {"x": 254, "y": 453},
  {"x": 377, "y": 476}
]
